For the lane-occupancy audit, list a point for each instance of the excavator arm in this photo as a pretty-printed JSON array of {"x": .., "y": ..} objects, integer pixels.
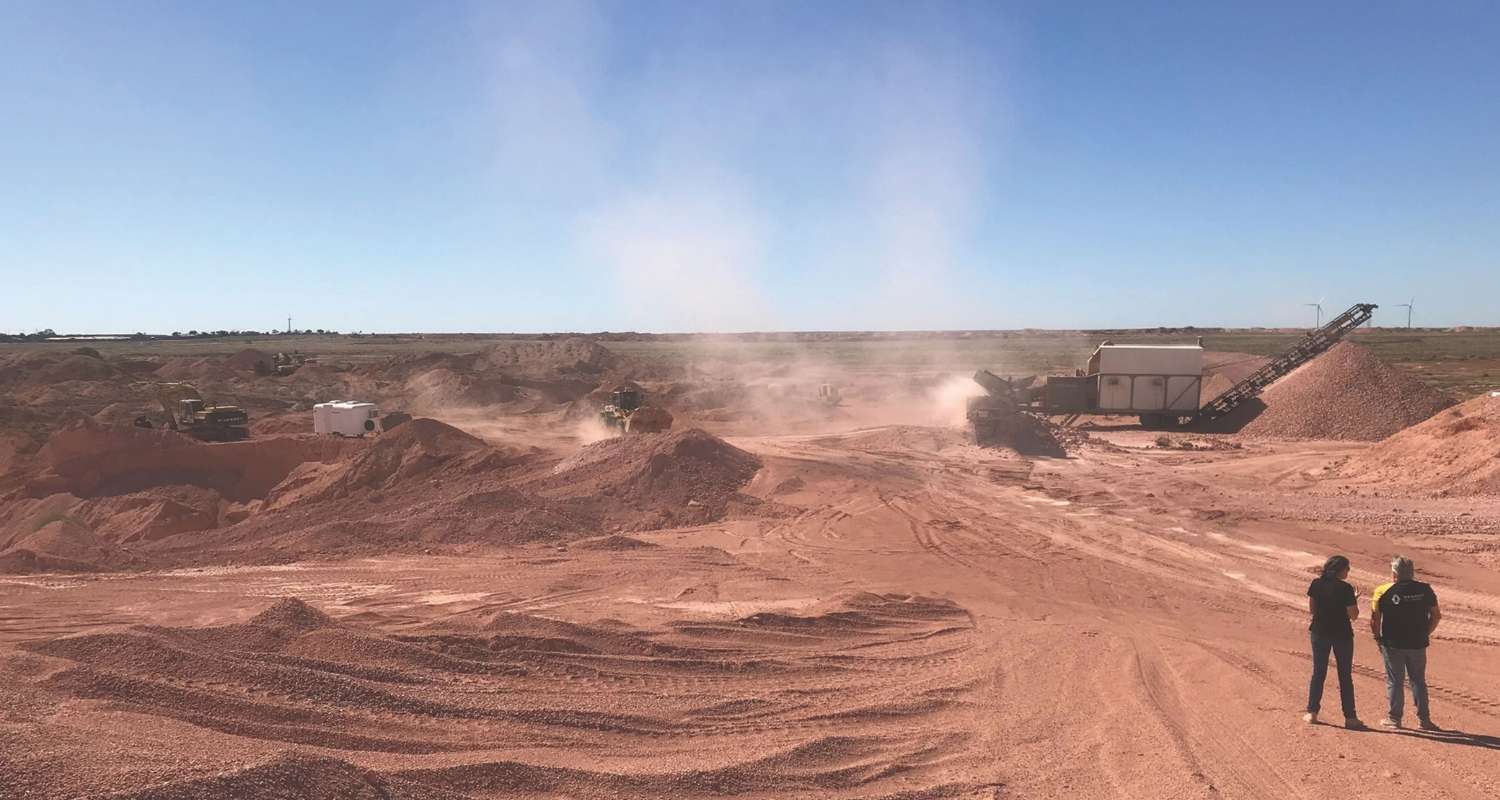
[{"x": 171, "y": 395}]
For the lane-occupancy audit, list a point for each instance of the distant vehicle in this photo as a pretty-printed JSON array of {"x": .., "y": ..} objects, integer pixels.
[
  {"x": 627, "y": 412},
  {"x": 828, "y": 394},
  {"x": 283, "y": 364},
  {"x": 346, "y": 418},
  {"x": 187, "y": 412},
  {"x": 1161, "y": 384}
]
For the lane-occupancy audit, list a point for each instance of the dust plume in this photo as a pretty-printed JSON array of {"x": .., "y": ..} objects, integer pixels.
[
  {"x": 949, "y": 400},
  {"x": 590, "y": 430}
]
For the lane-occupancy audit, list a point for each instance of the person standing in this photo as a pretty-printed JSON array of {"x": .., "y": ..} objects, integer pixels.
[
  {"x": 1403, "y": 615},
  {"x": 1332, "y": 604}
]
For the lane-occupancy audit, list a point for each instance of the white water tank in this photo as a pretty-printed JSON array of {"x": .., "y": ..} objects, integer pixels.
[{"x": 346, "y": 418}]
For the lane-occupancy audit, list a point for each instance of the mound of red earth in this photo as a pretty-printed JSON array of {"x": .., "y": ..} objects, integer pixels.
[
  {"x": 445, "y": 387},
  {"x": 1346, "y": 393},
  {"x": 1455, "y": 453},
  {"x": 83, "y": 364},
  {"x": 89, "y": 460},
  {"x": 413, "y": 450},
  {"x": 654, "y": 480},
  {"x": 249, "y": 360},
  {"x": 112, "y": 498},
  {"x": 54, "y": 541},
  {"x": 531, "y": 375},
  {"x": 94, "y": 495},
  {"x": 422, "y": 485}
]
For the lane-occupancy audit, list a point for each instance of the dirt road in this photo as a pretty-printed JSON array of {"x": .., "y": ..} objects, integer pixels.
[{"x": 922, "y": 618}]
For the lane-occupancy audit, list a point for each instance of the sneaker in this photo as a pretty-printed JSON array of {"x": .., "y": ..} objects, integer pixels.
[
  {"x": 1428, "y": 725},
  {"x": 1390, "y": 723},
  {"x": 1310, "y": 717},
  {"x": 1355, "y": 724}
]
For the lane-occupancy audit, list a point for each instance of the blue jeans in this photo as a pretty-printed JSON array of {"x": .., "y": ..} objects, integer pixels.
[
  {"x": 1402, "y": 663},
  {"x": 1343, "y": 655}
]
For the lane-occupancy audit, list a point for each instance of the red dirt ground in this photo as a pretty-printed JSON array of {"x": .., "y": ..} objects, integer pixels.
[{"x": 841, "y": 607}]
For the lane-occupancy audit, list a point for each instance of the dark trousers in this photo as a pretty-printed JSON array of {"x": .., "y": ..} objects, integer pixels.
[{"x": 1343, "y": 655}]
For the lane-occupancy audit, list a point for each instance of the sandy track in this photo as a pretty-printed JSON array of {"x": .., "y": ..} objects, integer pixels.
[{"x": 938, "y": 621}]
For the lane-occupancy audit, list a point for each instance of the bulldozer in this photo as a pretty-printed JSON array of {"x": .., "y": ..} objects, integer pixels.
[
  {"x": 283, "y": 364},
  {"x": 627, "y": 412},
  {"x": 186, "y": 412}
]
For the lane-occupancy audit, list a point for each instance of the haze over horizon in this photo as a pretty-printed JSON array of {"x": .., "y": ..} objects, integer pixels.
[{"x": 581, "y": 166}]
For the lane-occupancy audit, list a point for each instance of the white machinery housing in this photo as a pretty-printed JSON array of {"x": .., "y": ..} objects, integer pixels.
[
  {"x": 346, "y": 418},
  {"x": 1145, "y": 378}
]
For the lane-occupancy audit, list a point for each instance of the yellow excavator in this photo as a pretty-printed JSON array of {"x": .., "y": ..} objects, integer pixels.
[{"x": 187, "y": 412}]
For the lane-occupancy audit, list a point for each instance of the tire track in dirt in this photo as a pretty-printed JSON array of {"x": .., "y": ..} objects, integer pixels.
[{"x": 1230, "y": 759}]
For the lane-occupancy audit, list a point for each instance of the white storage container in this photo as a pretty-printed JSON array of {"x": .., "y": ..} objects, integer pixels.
[
  {"x": 346, "y": 418},
  {"x": 1150, "y": 378}
]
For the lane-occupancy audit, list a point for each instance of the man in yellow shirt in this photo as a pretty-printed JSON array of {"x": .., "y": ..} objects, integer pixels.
[{"x": 1403, "y": 615}]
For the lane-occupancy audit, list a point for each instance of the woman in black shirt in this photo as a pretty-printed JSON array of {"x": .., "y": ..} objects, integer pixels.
[{"x": 1330, "y": 600}]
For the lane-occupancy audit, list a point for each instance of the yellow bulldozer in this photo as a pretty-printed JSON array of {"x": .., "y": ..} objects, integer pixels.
[{"x": 184, "y": 410}]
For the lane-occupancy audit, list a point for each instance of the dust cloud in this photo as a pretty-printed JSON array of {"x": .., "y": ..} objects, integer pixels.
[{"x": 949, "y": 400}]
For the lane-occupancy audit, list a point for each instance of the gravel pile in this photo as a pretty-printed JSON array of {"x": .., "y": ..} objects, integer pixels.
[
  {"x": 654, "y": 480},
  {"x": 1456, "y": 453},
  {"x": 1346, "y": 393}
]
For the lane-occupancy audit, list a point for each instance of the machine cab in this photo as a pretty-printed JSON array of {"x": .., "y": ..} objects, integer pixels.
[{"x": 625, "y": 399}]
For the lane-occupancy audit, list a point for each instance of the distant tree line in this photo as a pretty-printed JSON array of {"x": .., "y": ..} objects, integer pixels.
[
  {"x": 43, "y": 334},
  {"x": 223, "y": 334},
  {"x": 48, "y": 333}
]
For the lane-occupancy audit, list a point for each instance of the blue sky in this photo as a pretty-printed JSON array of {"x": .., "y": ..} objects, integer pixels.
[{"x": 453, "y": 166}]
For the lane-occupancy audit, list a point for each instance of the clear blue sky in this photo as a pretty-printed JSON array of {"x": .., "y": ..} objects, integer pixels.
[{"x": 446, "y": 166}]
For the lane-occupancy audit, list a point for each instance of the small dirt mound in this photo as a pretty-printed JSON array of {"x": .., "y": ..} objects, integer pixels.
[
  {"x": 444, "y": 388},
  {"x": 62, "y": 544},
  {"x": 249, "y": 360},
  {"x": 77, "y": 368},
  {"x": 194, "y": 369},
  {"x": 291, "y": 615},
  {"x": 656, "y": 479},
  {"x": 614, "y": 543},
  {"x": 293, "y": 774},
  {"x": 1455, "y": 453},
  {"x": 861, "y": 611},
  {"x": 1346, "y": 393}
]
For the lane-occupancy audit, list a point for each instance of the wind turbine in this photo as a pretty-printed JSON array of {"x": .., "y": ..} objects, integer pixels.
[
  {"x": 1408, "y": 307},
  {"x": 1318, "y": 314}
]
